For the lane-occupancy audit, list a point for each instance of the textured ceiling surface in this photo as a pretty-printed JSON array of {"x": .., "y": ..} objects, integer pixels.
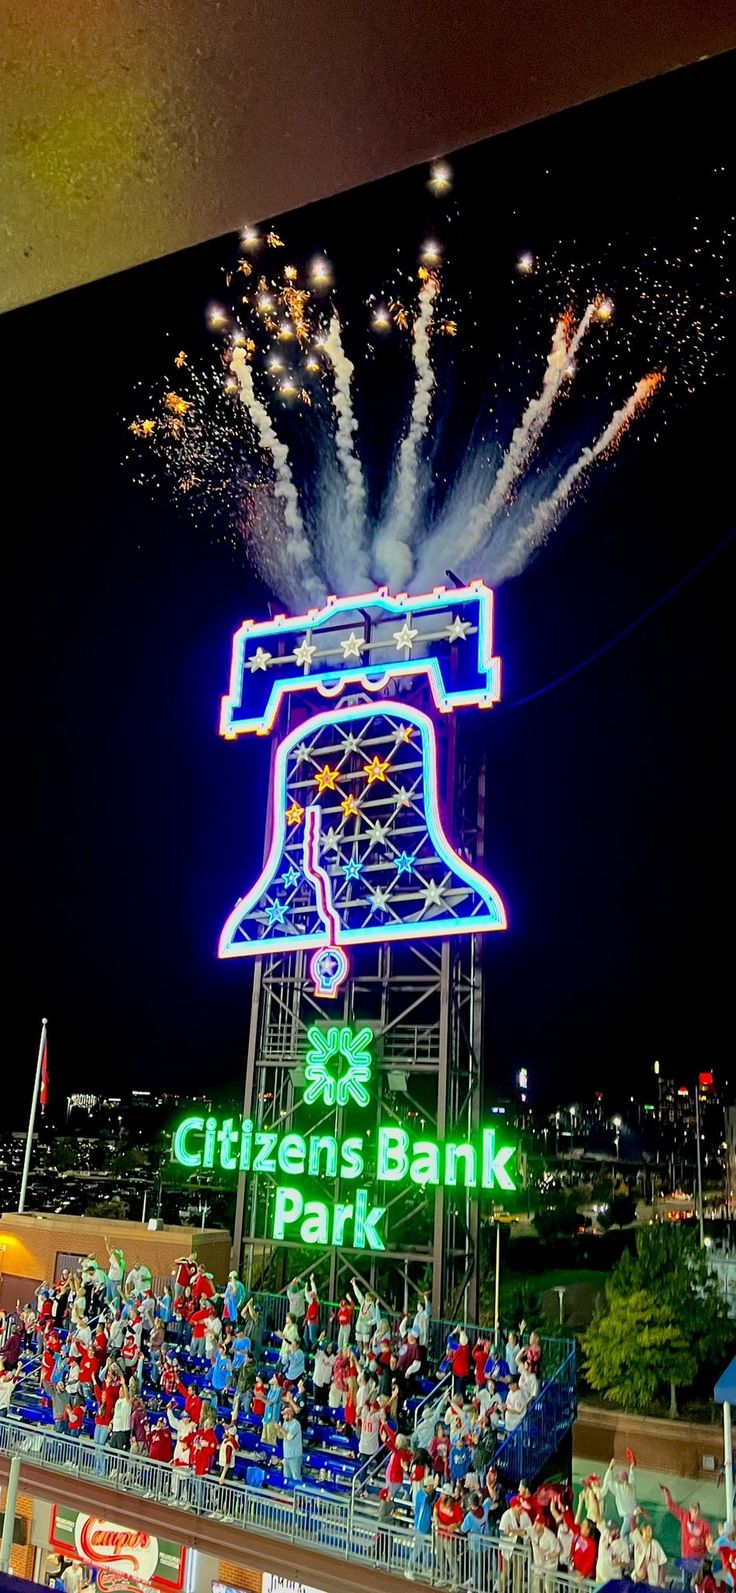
[{"x": 132, "y": 128}]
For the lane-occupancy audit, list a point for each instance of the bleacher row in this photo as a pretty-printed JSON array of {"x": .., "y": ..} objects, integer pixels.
[{"x": 330, "y": 1461}]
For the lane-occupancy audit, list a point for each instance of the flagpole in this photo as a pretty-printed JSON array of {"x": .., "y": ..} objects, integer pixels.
[{"x": 32, "y": 1119}]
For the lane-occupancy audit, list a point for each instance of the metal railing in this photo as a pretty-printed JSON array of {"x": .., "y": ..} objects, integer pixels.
[
  {"x": 524, "y": 1452},
  {"x": 477, "y": 1563}
]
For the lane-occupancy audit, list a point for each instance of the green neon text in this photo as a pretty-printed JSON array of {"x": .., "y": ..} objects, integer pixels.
[{"x": 205, "y": 1143}]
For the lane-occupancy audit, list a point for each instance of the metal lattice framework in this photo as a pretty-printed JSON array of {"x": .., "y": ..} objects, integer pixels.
[{"x": 422, "y": 997}]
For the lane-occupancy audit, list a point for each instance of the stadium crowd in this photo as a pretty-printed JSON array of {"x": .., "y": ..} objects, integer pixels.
[{"x": 193, "y": 1376}]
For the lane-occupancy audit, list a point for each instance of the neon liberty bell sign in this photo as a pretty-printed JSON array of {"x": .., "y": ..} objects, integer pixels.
[
  {"x": 338, "y": 1071},
  {"x": 357, "y": 854}
]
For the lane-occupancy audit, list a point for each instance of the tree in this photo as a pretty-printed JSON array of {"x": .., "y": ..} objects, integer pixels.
[
  {"x": 559, "y": 1216},
  {"x": 635, "y": 1346},
  {"x": 620, "y": 1212},
  {"x": 114, "y": 1208},
  {"x": 669, "y": 1263}
]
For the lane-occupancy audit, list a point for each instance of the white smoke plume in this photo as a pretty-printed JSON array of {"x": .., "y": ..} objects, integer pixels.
[
  {"x": 524, "y": 438},
  {"x": 297, "y": 547},
  {"x": 543, "y": 517},
  {"x": 392, "y": 556},
  {"x": 349, "y": 548}
]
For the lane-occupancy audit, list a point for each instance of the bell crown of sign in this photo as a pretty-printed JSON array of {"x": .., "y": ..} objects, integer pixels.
[{"x": 368, "y": 641}]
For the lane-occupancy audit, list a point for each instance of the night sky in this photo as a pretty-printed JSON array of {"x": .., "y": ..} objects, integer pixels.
[{"x": 130, "y": 829}]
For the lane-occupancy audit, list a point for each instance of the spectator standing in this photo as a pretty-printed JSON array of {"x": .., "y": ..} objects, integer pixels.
[{"x": 650, "y": 1559}]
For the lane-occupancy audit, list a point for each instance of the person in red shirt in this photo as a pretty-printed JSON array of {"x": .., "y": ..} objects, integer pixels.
[
  {"x": 183, "y": 1271},
  {"x": 311, "y": 1319},
  {"x": 192, "y": 1402},
  {"x": 439, "y": 1452},
  {"x": 198, "y": 1321},
  {"x": 161, "y": 1442},
  {"x": 202, "y": 1286},
  {"x": 258, "y": 1402},
  {"x": 694, "y": 1529},
  {"x": 584, "y": 1552},
  {"x": 344, "y": 1319},
  {"x": 204, "y": 1448},
  {"x": 169, "y": 1375},
  {"x": 74, "y": 1415},
  {"x": 481, "y": 1351},
  {"x": 460, "y": 1363},
  {"x": 130, "y": 1353},
  {"x": 99, "y": 1345},
  {"x": 399, "y": 1459},
  {"x": 448, "y": 1515}
]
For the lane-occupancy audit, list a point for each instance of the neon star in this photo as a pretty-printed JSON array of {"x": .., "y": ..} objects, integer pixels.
[
  {"x": 377, "y": 833},
  {"x": 304, "y": 653},
  {"x": 349, "y": 806},
  {"x": 404, "y": 638},
  {"x": 326, "y": 778},
  {"x": 352, "y": 869},
  {"x": 353, "y": 647},
  {"x": 260, "y": 660},
  {"x": 458, "y": 630},
  {"x": 379, "y": 899},
  {"x": 404, "y": 733},
  {"x": 291, "y": 878},
  {"x": 404, "y": 863},
  {"x": 433, "y": 894},
  {"x": 376, "y": 769},
  {"x": 294, "y": 814},
  {"x": 275, "y": 913}
]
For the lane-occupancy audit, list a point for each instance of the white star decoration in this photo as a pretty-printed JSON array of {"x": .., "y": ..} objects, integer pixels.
[
  {"x": 301, "y": 755},
  {"x": 379, "y": 899},
  {"x": 377, "y": 833},
  {"x": 331, "y": 840},
  {"x": 404, "y": 733},
  {"x": 404, "y": 637},
  {"x": 350, "y": 743},
  {"x": 260, "y": 660},
  {"x": 353, "y": 647},
  {"x": 433, "y": 894},
  {"x": 403, "y": 797},
  {"x": 458, "y": 630},
  {"x": 304, "y": 653}
]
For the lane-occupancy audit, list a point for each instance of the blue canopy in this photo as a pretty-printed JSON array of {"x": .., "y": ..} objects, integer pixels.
[{"x": 725, "y": 1389}]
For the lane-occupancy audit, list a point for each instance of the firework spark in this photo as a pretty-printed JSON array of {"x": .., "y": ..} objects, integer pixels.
[{"x": 265, "y": 439}]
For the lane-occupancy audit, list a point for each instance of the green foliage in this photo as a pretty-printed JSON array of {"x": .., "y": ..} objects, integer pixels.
[
  {"x": 670, "y": 1264},
  {"x": 558, "y": 1216},
  {"x": 117, "y": 1210},
  {"x": 635, "y": 1348},
  {"x": 621, "y": 1212}
]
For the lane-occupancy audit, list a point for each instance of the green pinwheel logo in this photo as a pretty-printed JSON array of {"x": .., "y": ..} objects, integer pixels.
[{"x": 338, "y": 1066}]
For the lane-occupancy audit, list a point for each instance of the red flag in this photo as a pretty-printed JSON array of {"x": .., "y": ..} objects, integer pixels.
[{"x": 44, "y": 1091}]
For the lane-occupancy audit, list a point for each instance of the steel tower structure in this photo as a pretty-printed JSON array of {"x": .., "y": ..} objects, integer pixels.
[{"x": 424, "y": 1001}]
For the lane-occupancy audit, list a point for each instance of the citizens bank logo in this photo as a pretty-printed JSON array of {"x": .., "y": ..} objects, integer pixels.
[{"x": 338, "y": 1066}]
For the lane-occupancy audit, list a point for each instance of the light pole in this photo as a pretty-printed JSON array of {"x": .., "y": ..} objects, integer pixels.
[{"x": 699, "y": 1164}]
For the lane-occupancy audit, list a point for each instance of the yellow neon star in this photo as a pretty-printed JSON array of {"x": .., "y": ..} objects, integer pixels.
[
  {"x": 326, "y": 779},
  {"x": 376, "y": 769},
  {"x": 294, "y": 814},
  {"x": 349, "y": 806}
]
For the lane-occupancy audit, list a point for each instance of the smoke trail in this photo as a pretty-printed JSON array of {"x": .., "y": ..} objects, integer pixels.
[
  {"x": 392, "y": 557},
  {"x": 526, "y": 435},
  {"x": 296, "y": 547},
  {"x": 543, "y": 517},
  {"x": 348, "y": 554}
]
